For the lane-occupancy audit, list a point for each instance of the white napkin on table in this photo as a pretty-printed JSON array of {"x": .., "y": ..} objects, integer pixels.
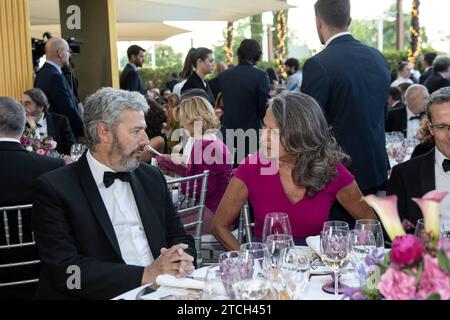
[
  {"x": 314, "y": 243},
  {"x": 167, "y": 280}
]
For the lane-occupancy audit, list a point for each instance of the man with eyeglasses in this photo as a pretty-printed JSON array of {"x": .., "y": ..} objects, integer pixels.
[
  {"x": 428, "y": 172},
  {"x": 51, "y": 80}
]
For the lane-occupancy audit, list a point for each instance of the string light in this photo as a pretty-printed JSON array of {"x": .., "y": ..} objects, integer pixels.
[
  {"x": 281, "y": 35},
  {"x": 416, "y": 40},
  {"x": 229, "y": 44}
]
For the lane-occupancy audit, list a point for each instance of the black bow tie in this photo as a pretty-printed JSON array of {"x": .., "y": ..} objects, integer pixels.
[
  {"x": 446, "y": 165},
  {"x": 109, "y": 177},
  {"x": 418, "y": 117}
]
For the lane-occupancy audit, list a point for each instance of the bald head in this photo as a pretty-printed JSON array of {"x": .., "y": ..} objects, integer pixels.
[
  {"x": 415, "y": 98},
  {"x": 57, "y": 50}
]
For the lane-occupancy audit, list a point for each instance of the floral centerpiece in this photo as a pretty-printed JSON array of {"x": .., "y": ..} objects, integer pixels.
[
  {"x": 31, "y": 142},
  {"x": 415, "y": 268}
]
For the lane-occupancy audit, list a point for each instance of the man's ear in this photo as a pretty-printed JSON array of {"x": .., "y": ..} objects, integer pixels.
[
  {"x": 104, "y": 134},
  {"x": 349, "y": 22}
]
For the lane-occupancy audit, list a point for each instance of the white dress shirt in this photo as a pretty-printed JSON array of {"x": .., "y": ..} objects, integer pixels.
[
  {"x": 337, "y": 35},
  {"x": 55, "y": 65},
  {"x": 123, "y": 212},
  {"x": 41, "y": 128},
  {"x": 412, "y": 126},
  {"x": 9, "y": 140},
  {"x": 443, "y": 184}
]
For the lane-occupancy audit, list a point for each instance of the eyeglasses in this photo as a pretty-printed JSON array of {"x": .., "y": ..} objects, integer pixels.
[{"x": 440, "y": 127}]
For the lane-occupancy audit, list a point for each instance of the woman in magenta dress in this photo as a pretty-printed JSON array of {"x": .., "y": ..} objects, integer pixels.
[{"x": 300, "y": 170}]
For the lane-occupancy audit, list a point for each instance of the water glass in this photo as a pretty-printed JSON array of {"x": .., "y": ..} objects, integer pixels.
[
  {"x": 295, "y": 270},
  {"x": 375, "y": 227},
  {"x": 276, "y": 223},
  {"x": 214, "y": 288},
  {"x": 363, "y": 244}
]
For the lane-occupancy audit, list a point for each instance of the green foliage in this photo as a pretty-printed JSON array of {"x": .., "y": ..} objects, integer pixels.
[
  {"x": 444, "y": 261},
  {"x": 365, "y": 31},
  {"x": 164, "y": 56},
  {"x": 394, "y": 57},
  {"x": 240, "y": 29},
  {"x": 256, "y": 28},
  {"x": 159, "y": 76}
]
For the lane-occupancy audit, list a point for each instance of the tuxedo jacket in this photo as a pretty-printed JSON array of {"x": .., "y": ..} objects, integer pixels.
[
  {"x": 412, "y": 179},
  {"x": 18, "y": 169},
  {"x": 131, "y": 80},
  {"x": 351, "y": 83},
  {"x": 60, "y": 96},
  {"x": 58, "y": 128},
  {"x": 396, "y": 120},
  {"x": 73, "y": 228},
  {"x": 435, "y": 82}
]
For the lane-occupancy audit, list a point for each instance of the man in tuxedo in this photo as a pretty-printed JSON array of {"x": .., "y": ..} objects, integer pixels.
[
  {"x": 48, "y": 124},
  {"x": 245, "y": 91},
  {"x": 107, "y": 216},
  {"x": 351, "y": 83},
  {"x": 416, "y": 177},
  {"x": 428, "y": 60},
  {"x": 18, "y": 169},
  {"x": 395, "y": 99},
  {"x": 130, "y": 79},
  {"x": 52, "y": 81},
  {"x": 440, "y": 77},
  {"x": 407, "y": 119}
]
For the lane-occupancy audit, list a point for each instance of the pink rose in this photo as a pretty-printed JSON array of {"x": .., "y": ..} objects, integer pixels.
[
  {"x": 41, "y": 152},
  {"x": 396, "y": 285},
  {"x": 406, "y": 250},
  {"x": 433, "y": 280},
  {"x": 51, "y": 144}
]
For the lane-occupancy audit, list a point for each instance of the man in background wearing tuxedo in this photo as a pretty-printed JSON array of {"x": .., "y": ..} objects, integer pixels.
[
  {"x": 108, "y": 215},
  {"x": 418, "y": 176},
  {"x": 130, "y": 79},
  {"x": 18, "y": 169}
]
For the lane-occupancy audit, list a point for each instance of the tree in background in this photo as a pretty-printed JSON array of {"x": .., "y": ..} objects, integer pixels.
[
  {"x": 240, "y": 29},
  {"x": 415, "y": 33},
  {"x": 256, "y": 28},
  {"x": 280, "y": 40},
  {"x": 229, "y": 43},
  {"x": 164, "y": 56}
]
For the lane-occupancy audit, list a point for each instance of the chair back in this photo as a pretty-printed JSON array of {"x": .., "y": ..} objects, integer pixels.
[
  {"x": 14, "y": 237},
  {"x": 245, "y": 225},
  {"x": 189, "y": 196}
]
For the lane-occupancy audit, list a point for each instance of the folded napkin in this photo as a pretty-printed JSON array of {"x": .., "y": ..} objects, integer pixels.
[
  {"x": 167, "y": 280},
  {"x": 314, "y": 243}
]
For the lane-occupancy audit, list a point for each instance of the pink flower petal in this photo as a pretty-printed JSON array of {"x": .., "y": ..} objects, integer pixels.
[{"x": 430, "y": 206}]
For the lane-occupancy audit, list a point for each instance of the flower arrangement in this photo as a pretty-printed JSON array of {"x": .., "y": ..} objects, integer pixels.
[
  {"x": 32, "y": 143},
  {"x": 415, "y": 268}
]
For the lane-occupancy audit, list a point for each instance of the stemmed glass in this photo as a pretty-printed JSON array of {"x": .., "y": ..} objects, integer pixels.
[
  {"x": 335, "y": 251},
  {"x": 76, "y": 151},
  {"x": 329, "y": 285},
  {"x": 235, "y": 267},
  {"x": 214, "y": 288},
  {"x": 276, "y": 223},
  {"x": 295, "y": 270},
  {"x": 363, "y": 244},
  {"x": 375, "y": 227}
]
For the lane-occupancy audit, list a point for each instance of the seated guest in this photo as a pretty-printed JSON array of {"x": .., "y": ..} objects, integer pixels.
[
  {"x": 204, "y": 151},
  {"x": 202, "y": 64},
  {"x": 440, "y": 78},
  {"x": 403, "y": 87},
  {"x": 108, "y": 215},
  {"x": 404, "y": 74},
  {"x": 425, "y": 137},
  {"x": 18, "y": 169},
  {"x": 309, "y": 174},
  {"x": 416, "y": 177},
  {"x": 49, "y": 124},
  {"x": 170, "y": 129},
  {"x": 395, "y": 98},
  {"x": 407, "y": 119},
  {"x": 155, "y": 119}
]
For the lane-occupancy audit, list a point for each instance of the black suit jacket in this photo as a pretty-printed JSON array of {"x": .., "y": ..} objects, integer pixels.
[
  {"x": 396, "y": 120},
  {"x": 18, "y": 169},
  {"x": 58, "y": 128},
  {"x": 351, "y": 82},
  {"x": 60, "y": 96},
  {"x": 195, "y": 82},
  {"x": 72, "y": 227},
  {"x": 425, "y": 76},
  {"x": 245, "y": 91},
  {"x": 412, "y": 179},
  {"x": 436, "y": 82},
  {"x": 131, "y": 80}
]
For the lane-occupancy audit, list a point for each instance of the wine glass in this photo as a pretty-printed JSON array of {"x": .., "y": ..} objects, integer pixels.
[
  {"x": 235, "y": 267},
  {"x": 276, "y": 243},
  {"x": 363, "y": 244},
  {"x": 420, "y": 231},
  {"x": 335, "y": 225},
  {"x": 335, "y": 251},
  {"x": 76, "y": 151},
  {"x": 214, "y": 288},
  {"x": 295, "y": 270},
  {"x": 377, "y": 230},
  {"x": 276, "y": 223}
]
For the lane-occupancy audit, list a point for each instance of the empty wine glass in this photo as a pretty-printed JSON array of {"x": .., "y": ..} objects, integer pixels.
[
  {"x": 335, "y": 225},
  {"x": 375, "y": 227},
  {"x": 76, "y": 151},
  {"x": 214, "y": 288},
  {"x": 235, "y": 267},
  {"x": 276, "y": 223},
  {"x": 335, "y": 251},
  {"x": 295, "y": 270},
  {"x": 363, "y": 244}
]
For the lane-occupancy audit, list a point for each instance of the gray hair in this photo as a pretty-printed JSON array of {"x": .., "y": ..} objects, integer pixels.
[
  {"x": 440, "y": 96},
  {"x": 413, "y": 92},
  {"x": 305, "y": 134},
  {"x": 12, "y": 118},
  {"x": 441, "y": 64},
  {"x": 106, "y": 106}
]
